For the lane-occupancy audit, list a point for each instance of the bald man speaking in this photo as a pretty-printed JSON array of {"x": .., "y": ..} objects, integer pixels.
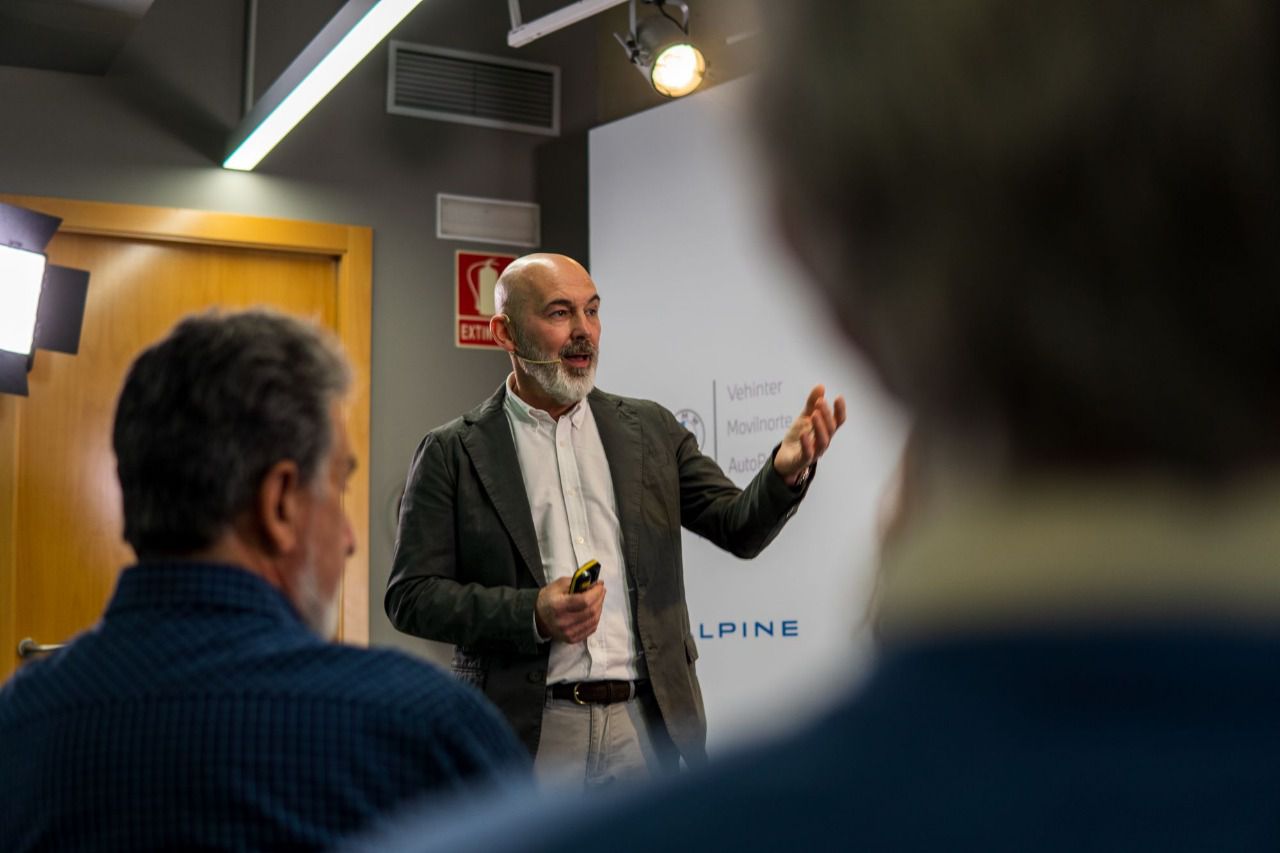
[{"x": 550, "y": 473}]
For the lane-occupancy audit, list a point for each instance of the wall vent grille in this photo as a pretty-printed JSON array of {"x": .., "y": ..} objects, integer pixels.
[
  {"x": 487, "y": 220},
  {"x": 471, "y": 88}
]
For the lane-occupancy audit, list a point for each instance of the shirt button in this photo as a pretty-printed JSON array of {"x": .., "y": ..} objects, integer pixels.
[
  {"x": 535, "y": 677},
  {"x": 580, "y": 540}
]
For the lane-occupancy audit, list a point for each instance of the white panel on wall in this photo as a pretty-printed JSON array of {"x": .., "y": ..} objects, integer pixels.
[
  {"x": 488, "y": 220},
  {"x": 703, "y": 312}
]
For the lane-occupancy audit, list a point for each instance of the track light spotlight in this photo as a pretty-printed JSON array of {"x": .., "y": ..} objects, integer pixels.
[{"x": 659, "y": 47}]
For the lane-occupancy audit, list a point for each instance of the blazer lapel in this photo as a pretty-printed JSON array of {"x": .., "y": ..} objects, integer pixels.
[
  {"x": 622, "y": 438},
  {"x": 493, "y": 453}
]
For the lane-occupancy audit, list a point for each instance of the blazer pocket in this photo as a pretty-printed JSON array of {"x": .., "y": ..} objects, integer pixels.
[{"x": 470, "y": 667}]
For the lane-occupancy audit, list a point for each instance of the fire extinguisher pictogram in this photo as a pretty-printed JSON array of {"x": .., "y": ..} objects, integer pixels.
[{"x": 481, "y": 277}]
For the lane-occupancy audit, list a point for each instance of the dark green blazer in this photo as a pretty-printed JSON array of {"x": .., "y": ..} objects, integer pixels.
[{"x": 467, "y": 569}]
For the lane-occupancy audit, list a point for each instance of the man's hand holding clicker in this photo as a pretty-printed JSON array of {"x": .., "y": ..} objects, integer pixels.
[{"x": 565, "y": 616}]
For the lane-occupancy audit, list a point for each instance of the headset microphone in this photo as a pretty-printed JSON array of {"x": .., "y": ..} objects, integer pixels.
[{"x": 535, "y": 360}]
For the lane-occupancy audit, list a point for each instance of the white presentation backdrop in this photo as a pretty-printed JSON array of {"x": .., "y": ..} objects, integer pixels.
[{"x": 703, "y": 312}]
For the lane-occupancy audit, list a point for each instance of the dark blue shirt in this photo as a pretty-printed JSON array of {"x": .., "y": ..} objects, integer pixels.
[{"x": 201, "y": 713}]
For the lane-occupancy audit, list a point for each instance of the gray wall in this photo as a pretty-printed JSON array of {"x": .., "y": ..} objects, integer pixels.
[{"x": 152, "y": 131}]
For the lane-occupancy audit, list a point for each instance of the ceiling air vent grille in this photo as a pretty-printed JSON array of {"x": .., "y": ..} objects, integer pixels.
[{"x": 470, "y": 88}]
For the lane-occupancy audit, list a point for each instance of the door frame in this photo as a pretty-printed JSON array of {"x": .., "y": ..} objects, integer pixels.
[{"x": 351, "y": 248}]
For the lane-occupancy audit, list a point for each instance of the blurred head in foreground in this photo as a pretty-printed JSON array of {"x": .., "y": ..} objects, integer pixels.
[{"x": 1051, "y": 227}]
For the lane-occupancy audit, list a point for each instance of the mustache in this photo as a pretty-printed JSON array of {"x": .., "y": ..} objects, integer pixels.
[{"x": 577, "y": 348}]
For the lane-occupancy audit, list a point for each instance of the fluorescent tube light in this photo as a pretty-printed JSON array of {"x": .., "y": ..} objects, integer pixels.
[
  {"x": 21, "y": 277},
  {"x": 319, "y": 74}
]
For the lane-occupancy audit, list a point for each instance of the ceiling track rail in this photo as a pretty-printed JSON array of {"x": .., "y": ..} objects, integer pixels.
[{"x": 523, "y": 33}]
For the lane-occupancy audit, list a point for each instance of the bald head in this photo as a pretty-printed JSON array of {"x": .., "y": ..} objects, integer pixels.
[
  {"x": 527, "y": 277},
  {"x": 547, "y": 316}
]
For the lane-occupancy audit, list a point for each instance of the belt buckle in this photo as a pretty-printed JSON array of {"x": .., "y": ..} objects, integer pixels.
[{"x": 577, "y": 700}]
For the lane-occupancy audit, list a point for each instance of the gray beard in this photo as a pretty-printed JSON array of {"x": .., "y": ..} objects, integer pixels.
[
  {"x": 563, "y": 384},
  {"x": 556, "y": 383},
  {"x": 320, "y": 614}
]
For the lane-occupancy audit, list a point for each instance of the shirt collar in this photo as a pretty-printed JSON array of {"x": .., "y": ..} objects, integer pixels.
[
  {"x": 1063, "y": 552},
  {"x": 197, "y": 586}
]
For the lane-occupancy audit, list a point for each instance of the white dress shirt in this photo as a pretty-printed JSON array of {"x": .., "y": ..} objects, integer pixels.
[{"x": 575, "y": 515}]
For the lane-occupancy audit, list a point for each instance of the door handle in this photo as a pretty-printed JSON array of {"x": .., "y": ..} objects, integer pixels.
[{"x": 28, "y": 648}]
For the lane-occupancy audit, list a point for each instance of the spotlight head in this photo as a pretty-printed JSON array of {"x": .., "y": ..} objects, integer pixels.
[
  {"x": 660, "y": 49},
  {"x": 677, "y": 70}
]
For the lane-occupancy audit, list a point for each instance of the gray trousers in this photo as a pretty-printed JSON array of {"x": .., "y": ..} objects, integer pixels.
[{"x": 595, "y": 746}]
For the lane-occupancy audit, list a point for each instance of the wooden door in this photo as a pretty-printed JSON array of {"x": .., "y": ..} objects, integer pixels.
[{"x": 59, "y": 500}]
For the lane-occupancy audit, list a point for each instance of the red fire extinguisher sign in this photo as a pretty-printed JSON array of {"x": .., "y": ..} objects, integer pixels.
[{"x": 475, "y": 274}]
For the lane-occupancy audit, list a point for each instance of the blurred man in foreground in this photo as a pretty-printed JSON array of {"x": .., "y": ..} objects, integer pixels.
[
  {"x": 1051, "y": 227},
  {"x": 208, "y": 709}
]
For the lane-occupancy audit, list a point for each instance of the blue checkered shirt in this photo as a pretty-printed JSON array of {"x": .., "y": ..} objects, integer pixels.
[{"x": 201, "y": 713}]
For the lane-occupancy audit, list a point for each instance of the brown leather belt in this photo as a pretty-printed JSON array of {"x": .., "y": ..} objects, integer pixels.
[{"x": 599, "y": 692}]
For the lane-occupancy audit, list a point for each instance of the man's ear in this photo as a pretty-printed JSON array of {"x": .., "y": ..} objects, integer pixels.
[
  {"x": 500, "y": 328},
  {"x": 279, "y": 507}
]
